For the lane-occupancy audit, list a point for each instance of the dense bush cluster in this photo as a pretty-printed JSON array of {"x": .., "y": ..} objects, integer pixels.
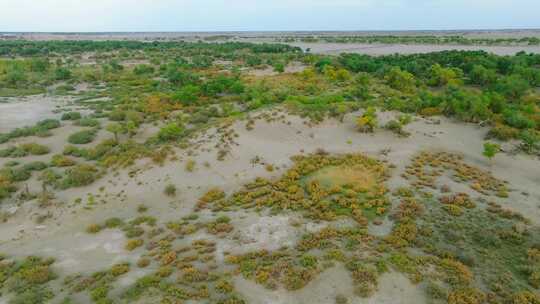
[{"x": 305, "y": 188}]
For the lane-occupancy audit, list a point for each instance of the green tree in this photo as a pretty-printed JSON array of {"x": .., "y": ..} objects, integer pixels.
[
  {"x": 400, "y": 80},
  {"x": 440, "y": 76},
  {"x": 482, "y": 76},
  {"x": 115, "y": 128},
  {"x": 368, "y": 121},
  {"x": 490, "y": 150},
  {"x": 513, "y": 86}
]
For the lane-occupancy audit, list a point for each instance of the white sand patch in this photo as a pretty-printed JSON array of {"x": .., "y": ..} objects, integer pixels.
[{"x": 19, "y": 112}]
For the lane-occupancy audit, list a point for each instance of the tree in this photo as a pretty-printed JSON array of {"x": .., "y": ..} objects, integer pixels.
[
  {"x": 368, "y": 121},
  {"x": 130, "y": 128},
  {"x": 490, "y": 150},
  {"x": 513, "y": 86},
  {"x": 400, "y": 80},
  {"x": 440, "y": 76},
  {"x": 530, "y": 141},
  {"x": 482, "y": 76},
  {"x": 115, "y": 128}
]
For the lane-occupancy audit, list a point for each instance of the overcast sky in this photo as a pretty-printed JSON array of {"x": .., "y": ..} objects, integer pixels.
[{"x": 265, "y": 15}]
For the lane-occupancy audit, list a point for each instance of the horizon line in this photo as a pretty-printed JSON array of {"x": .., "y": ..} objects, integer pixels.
[{"x": 273, "y": 31}]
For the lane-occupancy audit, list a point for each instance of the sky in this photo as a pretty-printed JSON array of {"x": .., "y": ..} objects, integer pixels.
[{"x": 264, "y": 15}]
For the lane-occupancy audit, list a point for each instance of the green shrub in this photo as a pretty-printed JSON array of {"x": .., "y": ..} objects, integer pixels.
[
  {"x": 170, "y": 190},
  {"x": 82, "y": 137},
  {"x": 40, "y": 129},
  {"x": 62, "y": 161},
  {"x": 48, "y": 124},
  {"x": 24, "y": 150},
  {"x": 530, "y": 141},
  {"x": 35, "y": 166},
  {"x": 33, "y": 295},
  {"x": 35, "y": 149},
  {"x": 87, "y": 122},
  {"x": 71, "y": 116},
  {"x": 93, "y": 228},
  {"x": 516, "y": 119},
  {"x": 117, "y": 115},
  {"x": 187, "y": 95},
  {"x": 400, "y": 80},
  {"x": 503, "y": 132},
  {"x": 113, "y": 222},
  {"x": 79, "y": 175},
  {"x": 170, "y": 132}
]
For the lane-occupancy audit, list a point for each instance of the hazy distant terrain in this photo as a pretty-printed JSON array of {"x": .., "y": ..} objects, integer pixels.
[
  {"x": 320, "y": 47},
  {"x": 514, "y": 33}
]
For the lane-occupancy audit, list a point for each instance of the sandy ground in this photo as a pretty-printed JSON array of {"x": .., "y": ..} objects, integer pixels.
[
  {"x": 394, "y": 288},
  {"x": 19, "y": 112},
  {"x": 275, "y": 142}
]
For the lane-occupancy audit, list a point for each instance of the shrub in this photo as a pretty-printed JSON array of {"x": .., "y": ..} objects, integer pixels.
[
  {"x": 113, "y": 222},
  {"x": 530, "y": 141},
  {"x": 142, "y": 69},
  {"x": 24, "y": 149},
  {"x": 517, "y": 119},
  {"x": 190, "y": 165},
  {"x": 71, "y": 116},
  {"x": 142, "y": 208},
  {"x": 482, "y": 76},
  {"x": 187, "y": 95},
  {"x": 62, "y": 161},
  {"x": 466, "y": 296},
  {"x": 35, "y": 166},
  {"x": 143, "y": 262},
  {"x": 279, "y": 67},
  {"x": 82, "y": 137},
  {"x": 170, "y": 132},
  {"x": 308, "y": 261},
  {"x": 490, "y": 149},
  {"x": 35, "y": 149},
  {"x": 170, "y": 190},
  {"x": 62, "y": 73},
  {"x": 120, "y": 269},
  {"x": 48, "y": 124},
  {"x": 80, "y": 175},
  {"x": 513, "y": 86},
  {"x": 368, "y": 121},
  {"x": 32, "y": 295},
  {"x": 87, "y": 122},
  {"x": 440, "y": 76},
  {"x": 503, "y": 132},
  {"x": 400, "y": 80},
  {"x": 341, "y": 299},
  {"x": 133, "y": 244},
  {"x": 93, "y": 228},
  {"x": 117, "y": 115},
  {"x": 525, "y": 297}
]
